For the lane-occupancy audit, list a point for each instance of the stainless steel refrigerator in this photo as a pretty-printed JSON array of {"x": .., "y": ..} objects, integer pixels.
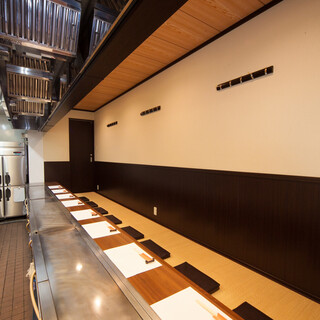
[{"x": 13, "y": 179}]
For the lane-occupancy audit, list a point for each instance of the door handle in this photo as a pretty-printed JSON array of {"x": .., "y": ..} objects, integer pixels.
[
  {"x": 91, "y": 157},
  {"x": 8, "y": 194},
  {"x": 0, "y": 195},
  {"x": 7, "y": 178}
]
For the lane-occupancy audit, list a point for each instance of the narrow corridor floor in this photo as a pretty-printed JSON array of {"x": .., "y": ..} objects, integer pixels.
[{"x": 15, "y": 258}]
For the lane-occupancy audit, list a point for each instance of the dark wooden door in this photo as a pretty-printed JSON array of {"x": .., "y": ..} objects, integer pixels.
[{"x": 81, "y": 137}]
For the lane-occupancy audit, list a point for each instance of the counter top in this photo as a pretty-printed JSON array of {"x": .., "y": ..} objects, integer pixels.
[
  {"x": 74, "y": 282},
  {"x": 88, "y": 268}
]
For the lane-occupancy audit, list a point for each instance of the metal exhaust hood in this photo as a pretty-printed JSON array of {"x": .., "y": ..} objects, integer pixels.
[{"x": 49, "y": 25}]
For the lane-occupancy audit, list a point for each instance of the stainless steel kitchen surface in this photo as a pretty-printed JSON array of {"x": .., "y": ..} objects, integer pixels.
[
  {"x": 74, "y": 281},
  {"x": 14, "y": 169},
  {"x": 49, "y": 215},
  {"x": 37, "y": 191}
]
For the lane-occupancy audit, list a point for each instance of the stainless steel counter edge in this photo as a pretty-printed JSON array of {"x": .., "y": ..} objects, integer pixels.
[
  {"x": 47, "y": 309},
  {"x": 38, "y": 258},
  {"x": 46, "y": 302}
]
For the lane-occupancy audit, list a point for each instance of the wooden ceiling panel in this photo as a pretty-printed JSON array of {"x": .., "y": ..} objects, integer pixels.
[
  {"x": 142, "y": 64},
  {"x": 115, "y": 83},
  {"x": 118, "y": 81},
  {"x": 127, "y": 75},
  {"x": 105, "y": 90},
  {"x": 220, "y": 14},
  {"x": 96, "y": 99},
  {"x": 87, "y": 105},
  {"x": 185, "y": 31},
  {"x": 160, "y": 50},
  {"x": 102, "y": 96},
  {"x": 195, "y": 22}
]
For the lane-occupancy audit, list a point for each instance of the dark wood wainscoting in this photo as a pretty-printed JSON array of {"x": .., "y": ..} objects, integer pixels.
[
  {"x": 270, "y": 223},
  {"x": 58, "y": 171}
]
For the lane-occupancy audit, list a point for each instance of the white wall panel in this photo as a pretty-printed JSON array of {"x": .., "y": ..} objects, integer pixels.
[
  {"x": 35, "y": 150},
  {"x": 269, "y": 125}
]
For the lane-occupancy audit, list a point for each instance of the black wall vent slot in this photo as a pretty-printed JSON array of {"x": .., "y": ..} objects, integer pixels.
[
  {"x": 247, "y": 77},
  {"x": 155, "y": 109},
  {"x": 112, "y": 124}
]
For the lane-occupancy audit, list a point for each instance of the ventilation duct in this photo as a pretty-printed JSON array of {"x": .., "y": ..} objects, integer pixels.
[
  {"x": 33, "y": 63},
  {"x": 51, "y": 25},
  {"x": 27, "y": 108},
  {"x": 102, "y": 21},
  {"x": 29, "y": 84}
]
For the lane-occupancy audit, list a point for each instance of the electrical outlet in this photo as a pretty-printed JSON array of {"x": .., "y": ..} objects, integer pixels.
[
  {"x": 98, "y": 188},
  {"x": 155, "y": 211}
]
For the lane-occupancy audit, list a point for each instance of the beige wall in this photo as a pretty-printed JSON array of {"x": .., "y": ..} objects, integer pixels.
[
  {"x": 35, "y": 153},
  {"x": 268, "y": 125},
  {"x": 56, "y": 140}
]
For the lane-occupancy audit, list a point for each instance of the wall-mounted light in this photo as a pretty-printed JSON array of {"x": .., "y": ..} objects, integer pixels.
[
  {"x": 112, "y": 124},
  {"x": 155, "y": 109},
  {"x": 247, "y": 77}
]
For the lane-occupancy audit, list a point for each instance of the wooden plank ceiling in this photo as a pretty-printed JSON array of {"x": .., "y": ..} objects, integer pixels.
[{"x": 194, "y": 23}]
